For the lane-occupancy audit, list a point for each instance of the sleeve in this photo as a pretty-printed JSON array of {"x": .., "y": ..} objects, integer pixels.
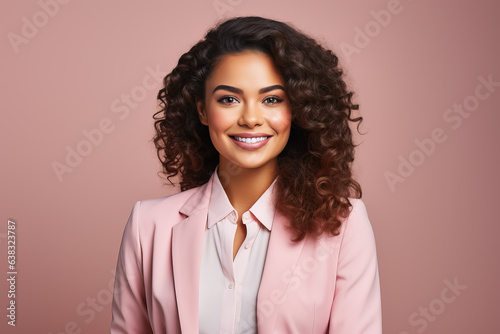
[
  {"x": 129, "y": 310},
  {"x": 357, "y": 304}
]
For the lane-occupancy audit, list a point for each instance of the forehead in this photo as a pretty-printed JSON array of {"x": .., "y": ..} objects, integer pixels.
[{"x": 245, "y": 69}]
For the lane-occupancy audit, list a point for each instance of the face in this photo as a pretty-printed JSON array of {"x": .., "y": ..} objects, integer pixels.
[{"x": 246, "y": 110}]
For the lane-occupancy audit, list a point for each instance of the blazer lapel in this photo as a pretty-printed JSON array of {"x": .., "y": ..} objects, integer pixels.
[
  {"x": 281, "y": 261},
  {"x": 187, "y": 245}
]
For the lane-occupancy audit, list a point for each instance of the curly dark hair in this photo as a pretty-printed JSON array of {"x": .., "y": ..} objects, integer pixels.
[{"x": 314, "y": 180}]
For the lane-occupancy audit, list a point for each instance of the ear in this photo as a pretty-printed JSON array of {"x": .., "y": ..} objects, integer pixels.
[{"x": 202, "y": 112}]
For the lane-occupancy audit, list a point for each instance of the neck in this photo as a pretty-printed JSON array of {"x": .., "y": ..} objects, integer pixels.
[{"x": 244, "y": 186}]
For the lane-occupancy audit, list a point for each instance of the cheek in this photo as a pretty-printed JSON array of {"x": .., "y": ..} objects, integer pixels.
[
  {"x": 281, "y": 121},
  {"x": 218, "y": 120}
]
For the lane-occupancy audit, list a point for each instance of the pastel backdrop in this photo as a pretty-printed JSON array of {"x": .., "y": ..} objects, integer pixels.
[{"x": 78, "y": 85}]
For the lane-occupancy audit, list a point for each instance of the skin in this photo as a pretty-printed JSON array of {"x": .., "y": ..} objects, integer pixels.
[{"x": 241, "y": 106}]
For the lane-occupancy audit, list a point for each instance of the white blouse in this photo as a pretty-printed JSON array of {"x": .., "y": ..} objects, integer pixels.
[{"x": 228, "y": 290}]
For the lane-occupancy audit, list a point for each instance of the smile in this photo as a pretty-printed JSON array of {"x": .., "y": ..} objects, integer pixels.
[
  {"x": 250, "y": 140},
  {"x": 250, "y": 143}
]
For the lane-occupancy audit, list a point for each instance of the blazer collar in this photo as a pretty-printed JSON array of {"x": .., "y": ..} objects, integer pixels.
[
  {"x": 200, "y": 198},
  {"x": 187, "y": 245}
]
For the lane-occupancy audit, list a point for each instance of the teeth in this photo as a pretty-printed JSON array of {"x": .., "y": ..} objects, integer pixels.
[{"x": 250, "y": 140}]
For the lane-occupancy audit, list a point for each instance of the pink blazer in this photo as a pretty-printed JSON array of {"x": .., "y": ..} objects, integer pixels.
[{"x": 328, "y": 286}]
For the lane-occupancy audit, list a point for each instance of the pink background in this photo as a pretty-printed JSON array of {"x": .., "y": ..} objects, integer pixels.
[{"x": 70, "y": 75}]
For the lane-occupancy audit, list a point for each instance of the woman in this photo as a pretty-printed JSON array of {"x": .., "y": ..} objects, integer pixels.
[{"x": 268, "y": 233}]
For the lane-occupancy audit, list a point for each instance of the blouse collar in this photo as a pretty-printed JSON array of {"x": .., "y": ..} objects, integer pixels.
[{"x": 220, "y": 207}]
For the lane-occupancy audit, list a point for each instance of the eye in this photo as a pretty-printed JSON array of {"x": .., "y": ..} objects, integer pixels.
[
  {"x": 272, "y": 100},
  {"x": 227, "y": 99}
]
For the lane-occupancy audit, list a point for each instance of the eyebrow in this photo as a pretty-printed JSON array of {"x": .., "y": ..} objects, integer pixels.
[{"x": 240, "y": 91}]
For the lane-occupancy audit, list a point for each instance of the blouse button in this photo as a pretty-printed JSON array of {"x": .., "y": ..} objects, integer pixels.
[
  {"x": 230, "y": 285},
  {"x": 245, "y": 216},
  {"x": 247, "y": 246}
]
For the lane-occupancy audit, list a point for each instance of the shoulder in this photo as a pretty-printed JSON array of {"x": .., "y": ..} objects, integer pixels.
[
  {"x": 355, "y": 232},
  {"x": 155, "y": 206},
  {"x": 358, "y": 213},
  {"x": 357, "y": 228},
  {"x": 163, "y": 211}
]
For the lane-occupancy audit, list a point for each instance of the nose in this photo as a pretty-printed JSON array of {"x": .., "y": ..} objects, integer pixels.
[{"x": 251, "y": 115}]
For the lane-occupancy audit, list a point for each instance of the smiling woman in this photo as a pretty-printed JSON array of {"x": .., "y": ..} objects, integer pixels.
[{"x": 255, "y": 119}]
